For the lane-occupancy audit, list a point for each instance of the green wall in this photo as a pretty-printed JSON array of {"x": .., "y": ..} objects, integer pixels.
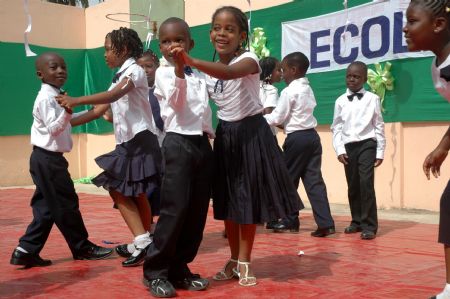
[{"x": 413, "y": 99}]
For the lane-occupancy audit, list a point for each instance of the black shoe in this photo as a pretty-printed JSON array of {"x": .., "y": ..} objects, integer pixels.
[
  {"x": 323, "y": 232},
  {"x": 192, "y": 283},
  {"x": 93, "y": 252},
  {"x": 271, "y": 224},
  {"x": 134, "y": 261},
  {"x": 28, "y": 260},
  {"x": 368, "y": 235},
  {"x": 352, "y": 229},
  {"x": 122, "y": 250},
  {"x": 161, "y": 288},
  {"x": 285, "y": 226}
]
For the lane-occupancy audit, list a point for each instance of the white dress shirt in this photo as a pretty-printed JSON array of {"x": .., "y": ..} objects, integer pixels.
[
  {"x": 268, "y": 94},
  {"x": 441, "y": 85},
  {"x": 132, "y": 112},
  {"x": 51, "y": 129},
  {"x": 358, "y": 120},
  {"x": 295, "y": 107},
  {"x": 184, "y": 102},
  {"x": 236, "y": 98}
]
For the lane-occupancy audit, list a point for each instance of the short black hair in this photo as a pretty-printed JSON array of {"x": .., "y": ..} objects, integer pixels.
[
  {"x": 126, "y": 38},
  {"x": 175, "y": 20},
  {"x": 42, "y": 58},
  {"x": 297, "y": 59},
  {"x": 359, "y": 64}
]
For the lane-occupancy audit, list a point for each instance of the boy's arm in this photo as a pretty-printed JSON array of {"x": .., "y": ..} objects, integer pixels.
[
  {"x": 378, "y": 124},
  {"x": 88, "y": 115},
  {"x": 54, "y": 119},
  {"x": 435, "y": 159},
  {"x": 281, "y": 112},
  {"x": 170, "y": 88},
  {"x": 336, "y": 129}
]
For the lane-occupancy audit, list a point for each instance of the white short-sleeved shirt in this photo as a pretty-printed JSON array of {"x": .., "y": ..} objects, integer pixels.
[
  {"x": 358, "y": 120},
  {"x": 442, "y": 86},
  {"x": 295, "y": 107},
  {"x": 239, "y": 97},
  {"x": 132, "y": 112},
  {"x": 268, "y": 94},
  {"x": 184, "y": 102}
]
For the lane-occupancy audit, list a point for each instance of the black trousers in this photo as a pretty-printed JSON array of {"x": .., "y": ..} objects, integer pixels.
[
  {"x": 185, "y": 196},
  {"x": 360, "y": 180},
  {"x": 54, "y": 201},
  {"x": 303, "y": 156}
]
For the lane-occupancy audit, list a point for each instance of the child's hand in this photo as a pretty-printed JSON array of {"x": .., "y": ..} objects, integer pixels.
[
  {"x": 65, "y": 101},
  {"x": 378, "y": 162},
  {"x": 433, "y": 162},
  {"x": 343, "y": 159}
]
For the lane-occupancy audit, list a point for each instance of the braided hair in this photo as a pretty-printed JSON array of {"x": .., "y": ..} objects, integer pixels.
[
  {"x": 437, "y": 8},
  {"x": 241, "y": 20},
  {"x": 267, "y": 65},
  {"x": 151, "y": 55},
  {"x": 126, "y": 38}
]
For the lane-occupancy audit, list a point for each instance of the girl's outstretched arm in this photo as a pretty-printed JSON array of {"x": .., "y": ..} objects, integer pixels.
[
  {"x": 105, "y": 97},
  {"x": 222, "y": 71},
  {"x": 87, "y": 116}
]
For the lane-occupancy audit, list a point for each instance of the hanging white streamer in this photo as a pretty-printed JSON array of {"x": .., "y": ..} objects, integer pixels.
[
  {"x": 249, "y": 23},
  {"x": 28, "y": 51},
  {"x": 149, "y": 37},
  {"x": 347, "y": 22}
]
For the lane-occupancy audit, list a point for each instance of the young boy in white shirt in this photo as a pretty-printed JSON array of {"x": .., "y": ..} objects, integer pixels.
[
  {"x": 359, "y": 142},
  {"x": 302, "y": 147},
  {"x": 55, "y": 200}
]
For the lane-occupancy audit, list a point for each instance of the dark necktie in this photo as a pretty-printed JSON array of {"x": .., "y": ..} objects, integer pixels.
[
  {"x": 359, "y": 95},
  {"x": 188, "y": 70},
  {"x": 156, "y": 110},
  {"x": 445, "y": 73},
  {"x": 117, "y": 75}
]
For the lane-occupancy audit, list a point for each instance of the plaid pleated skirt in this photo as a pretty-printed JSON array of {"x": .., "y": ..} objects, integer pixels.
[{"x": 252, "y": 184}]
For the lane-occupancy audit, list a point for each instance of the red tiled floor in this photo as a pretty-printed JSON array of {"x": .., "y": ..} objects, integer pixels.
[{"x": 404, "y": 261}]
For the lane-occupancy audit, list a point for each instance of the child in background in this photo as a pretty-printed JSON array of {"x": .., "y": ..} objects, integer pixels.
[
  {"x": 270, "y": 73},
  {"x": 252, "y": 184},
  {"x": 302, "y": 147},
  {"x": 54, "y": 200},
  {"x": 133, "y": 168},
  {"x": 149, "y": 62},
  {"x": 188, "y": 168},
  {"x": 359, "y": 142},
  {"x": 428, "y": 28}
]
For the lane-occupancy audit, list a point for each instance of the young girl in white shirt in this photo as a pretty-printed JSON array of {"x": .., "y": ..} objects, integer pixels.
[
  {"x": 428, "y": 28},
  {"x": 252, "y": 184},
  {"x": 133, "y": 168}
]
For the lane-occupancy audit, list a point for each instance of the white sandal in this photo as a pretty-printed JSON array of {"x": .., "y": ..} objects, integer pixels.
[
  {"x": 245, "y": 280},
  {"x": 222, "y": 275}
]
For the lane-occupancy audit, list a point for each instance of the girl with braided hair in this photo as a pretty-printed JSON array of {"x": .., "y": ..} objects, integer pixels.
[
  {"x": 428, "y": 28},
  {"x": 133, "y": 169}
]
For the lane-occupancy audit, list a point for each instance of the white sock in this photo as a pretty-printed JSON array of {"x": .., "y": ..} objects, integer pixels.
[
  {"x": 141, "y": 242},
  {"x": 21, "y": 249},
  {"x": 131, "y": 248},
  {"x": 445, "y": 293}
]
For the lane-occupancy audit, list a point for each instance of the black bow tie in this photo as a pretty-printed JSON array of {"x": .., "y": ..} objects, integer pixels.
[
  {"x": 358, "y": 94},
  {"x": 445, "y": 73},
  {"x": 188, "y": 70}
]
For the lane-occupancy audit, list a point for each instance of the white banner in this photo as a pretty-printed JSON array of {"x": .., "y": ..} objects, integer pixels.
[{"x": 370, "y": 33}]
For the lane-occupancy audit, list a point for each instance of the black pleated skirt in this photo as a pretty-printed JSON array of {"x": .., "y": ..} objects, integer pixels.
[
  {"x": 444, "y": 217},
  {"x": 252, "y": 183},
  {"x": 133, "y": 167}
]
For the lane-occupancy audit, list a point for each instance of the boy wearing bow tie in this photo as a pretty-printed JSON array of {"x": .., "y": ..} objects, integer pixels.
[
  {"x": 359, "y": 142},
  {"x": 188, "y": 167}
]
